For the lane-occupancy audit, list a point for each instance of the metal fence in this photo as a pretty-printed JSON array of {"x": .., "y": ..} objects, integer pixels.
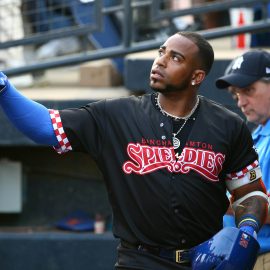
[{"x": 100, "y": 29}]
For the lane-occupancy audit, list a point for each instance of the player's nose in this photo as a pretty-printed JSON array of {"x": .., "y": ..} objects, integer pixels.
[{"x": 162, "y": 60}]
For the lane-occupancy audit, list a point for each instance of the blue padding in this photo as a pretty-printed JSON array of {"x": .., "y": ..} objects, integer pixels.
[
  {"x": 28, "y": 116},
  {"x": 108, "y": 37}
]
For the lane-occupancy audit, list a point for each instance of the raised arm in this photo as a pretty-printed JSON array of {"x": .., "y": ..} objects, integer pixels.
[{"x": 28, "y": 116}]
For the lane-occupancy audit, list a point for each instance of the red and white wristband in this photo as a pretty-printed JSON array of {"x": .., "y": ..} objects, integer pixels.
[{"x": 64, "y": 144}]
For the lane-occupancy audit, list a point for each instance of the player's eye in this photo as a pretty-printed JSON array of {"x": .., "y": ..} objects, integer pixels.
[
  {"x": 176, "y": 58},
  {"x": 160, "y": 52}
]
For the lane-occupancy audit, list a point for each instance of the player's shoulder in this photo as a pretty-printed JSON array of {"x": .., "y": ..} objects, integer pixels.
[
  {"x": 218, "y": 109},
  {"x": 122, "y": 105},
  {"x": 128, "y": 101}
]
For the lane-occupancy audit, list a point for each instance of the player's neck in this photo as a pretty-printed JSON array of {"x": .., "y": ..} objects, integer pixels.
[{"x": 177, "y": 107}]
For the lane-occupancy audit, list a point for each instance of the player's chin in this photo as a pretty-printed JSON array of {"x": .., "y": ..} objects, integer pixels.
[{"x": 156, "y": 85}]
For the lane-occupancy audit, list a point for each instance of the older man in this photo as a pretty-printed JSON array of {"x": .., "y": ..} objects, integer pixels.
[{"x": 248, "y": 80}]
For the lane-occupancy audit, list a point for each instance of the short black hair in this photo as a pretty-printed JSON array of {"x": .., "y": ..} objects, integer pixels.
[{"x": 206, "y": 52}]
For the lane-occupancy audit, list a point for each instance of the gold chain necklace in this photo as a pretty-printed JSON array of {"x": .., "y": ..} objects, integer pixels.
[{"x": 176, "y": 141}]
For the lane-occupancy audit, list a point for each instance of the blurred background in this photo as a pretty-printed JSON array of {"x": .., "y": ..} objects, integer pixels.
[{"x": 54, "y": 211}]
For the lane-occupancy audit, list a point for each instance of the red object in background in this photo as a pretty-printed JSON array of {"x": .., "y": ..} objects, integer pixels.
[{"x": 241, "y": 38}]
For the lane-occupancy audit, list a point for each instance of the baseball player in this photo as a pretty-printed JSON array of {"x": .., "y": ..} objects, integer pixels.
[{"x": 168, "y": 159}]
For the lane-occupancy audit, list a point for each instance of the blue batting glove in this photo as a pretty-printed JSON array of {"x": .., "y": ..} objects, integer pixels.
[{"x": 249, "y": 230}]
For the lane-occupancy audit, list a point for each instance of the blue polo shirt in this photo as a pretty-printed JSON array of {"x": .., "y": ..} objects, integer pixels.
[{"x": 261, "y": 138}]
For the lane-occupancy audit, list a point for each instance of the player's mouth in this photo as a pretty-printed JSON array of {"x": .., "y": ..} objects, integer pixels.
[{"x": 156, "y": 75}]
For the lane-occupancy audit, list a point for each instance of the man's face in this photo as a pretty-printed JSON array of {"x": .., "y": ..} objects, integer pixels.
[
  {"x": 173, "y": 68},
  {"x": 254, "y": 101}
]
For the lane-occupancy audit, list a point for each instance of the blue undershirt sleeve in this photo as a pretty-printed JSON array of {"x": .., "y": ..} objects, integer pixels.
[{"x": 31, "y": 118}]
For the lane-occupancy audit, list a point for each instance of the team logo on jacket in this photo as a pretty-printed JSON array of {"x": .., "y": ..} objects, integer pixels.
[{"x": 146, "y": 159}]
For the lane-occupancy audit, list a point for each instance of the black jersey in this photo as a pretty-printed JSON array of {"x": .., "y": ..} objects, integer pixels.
[{"x": 160, "y": 197}]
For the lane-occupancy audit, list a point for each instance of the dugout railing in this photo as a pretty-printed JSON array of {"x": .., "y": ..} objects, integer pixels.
[{"x": 124, "y": 14}]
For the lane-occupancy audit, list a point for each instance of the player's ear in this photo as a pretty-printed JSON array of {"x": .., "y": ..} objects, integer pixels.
[{"x": 198, "y": 76}]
